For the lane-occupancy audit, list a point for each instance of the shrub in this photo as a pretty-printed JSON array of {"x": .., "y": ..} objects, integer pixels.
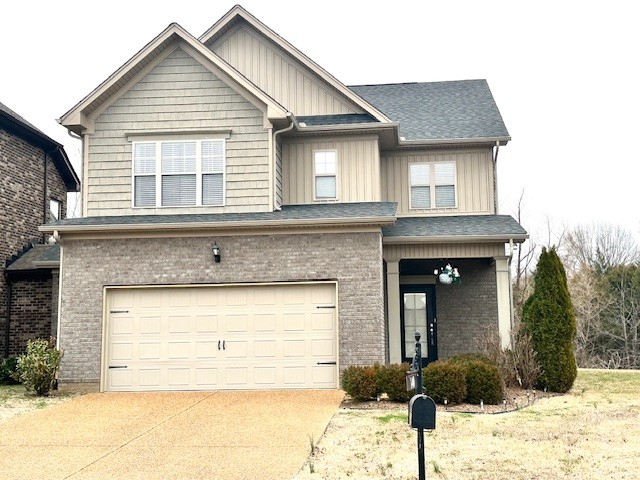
[
  {"x": 360, "y": 382},
  {"x": 484, "y": 382},
  {"x": 549, "y": 317},
  {"x": 444, "y": 380},
  {"x": 471, "y": 357},
  {"x": 38, "y": 366},
  {"x": 9, "y": 371},
  {"x": 391, "y": 379}
]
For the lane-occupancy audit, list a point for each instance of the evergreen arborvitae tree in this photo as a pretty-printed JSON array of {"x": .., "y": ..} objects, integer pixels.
[{"x": 549, "y": 317}]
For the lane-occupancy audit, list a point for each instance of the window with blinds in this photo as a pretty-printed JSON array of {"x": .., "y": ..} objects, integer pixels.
[
  {"x": 432, "y": 185},
  {"x": 325, "y": 174},
  {"x": 178, "y": 173}
]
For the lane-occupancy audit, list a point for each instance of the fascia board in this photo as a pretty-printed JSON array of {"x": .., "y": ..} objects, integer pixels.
[
  {"x": 380, "y": 221},
  {"x": 308, "y": 62},
  {"x": 454, "y": 239},
  {"x": 453, "y": 141}
]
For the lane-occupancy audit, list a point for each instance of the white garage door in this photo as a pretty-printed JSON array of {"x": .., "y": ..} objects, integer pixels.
[{"x": 224, "y": 337}]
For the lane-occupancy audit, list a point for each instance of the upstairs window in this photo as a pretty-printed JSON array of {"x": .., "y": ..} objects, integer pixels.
[
  {"x": 432, "y": 185},
  {"x": 178, "y": 173},
  {"x": 324, "y": 166},
  {"x": 55, "y": 209}
]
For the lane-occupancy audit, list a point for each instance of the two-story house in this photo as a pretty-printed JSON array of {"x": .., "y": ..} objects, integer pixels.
[
  {"x": 35, "y": 177},
  {"x": 250, "y": 222}
]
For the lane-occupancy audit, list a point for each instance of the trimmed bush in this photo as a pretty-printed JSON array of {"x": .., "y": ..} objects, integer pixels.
[
  {"x": 360, "y": 382},
  {"x": 391, "y": 379},
  {"x": 549, "y": 317},
  {"x": 484, "y": 382},
  {"x": 9, "y": 371},
  {"x": 469, "y": 358},
  {"x": 444, "y": 380},
  {"x": 38, "y": 367}
]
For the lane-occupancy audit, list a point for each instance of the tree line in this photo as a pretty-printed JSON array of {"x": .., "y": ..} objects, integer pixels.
[{"x": 602, "y": 264}]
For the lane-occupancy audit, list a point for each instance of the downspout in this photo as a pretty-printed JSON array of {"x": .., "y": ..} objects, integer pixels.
[
  {"x": 275, "y": 155},
  {"x": 510, "y": 289},
  {"x": 495, "y": 177},
  {"x": 7, "y": 325}
]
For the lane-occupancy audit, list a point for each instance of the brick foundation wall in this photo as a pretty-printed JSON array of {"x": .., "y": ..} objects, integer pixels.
[
  {"x": 21, "y": 202},
  {"x": 465, "y": 310},
  {"x": 353, "y": 259}
]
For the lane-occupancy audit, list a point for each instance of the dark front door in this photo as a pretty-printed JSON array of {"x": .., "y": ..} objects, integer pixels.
[{"x": 417, "y": 313}]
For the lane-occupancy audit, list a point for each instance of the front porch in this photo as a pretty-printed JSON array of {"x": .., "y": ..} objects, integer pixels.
[{"x": 451, "y": 318}]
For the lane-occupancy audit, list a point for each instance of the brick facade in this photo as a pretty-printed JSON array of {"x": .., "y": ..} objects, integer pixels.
[
  {"x": 353, "y": 259},
  {"x": 22, "y": 202},
  {"x": 31, "y": 305},
  {"x": 465, "y": 310}
]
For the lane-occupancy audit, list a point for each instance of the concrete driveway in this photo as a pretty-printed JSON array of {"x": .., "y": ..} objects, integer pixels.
[{"x": 191, "y": 435}]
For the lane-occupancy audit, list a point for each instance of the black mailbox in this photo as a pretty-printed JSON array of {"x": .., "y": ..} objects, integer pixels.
[{"x": 422, "y": 412}]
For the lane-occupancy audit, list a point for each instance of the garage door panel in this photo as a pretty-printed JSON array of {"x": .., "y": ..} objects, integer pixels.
[{"x": 227, "y": 337}]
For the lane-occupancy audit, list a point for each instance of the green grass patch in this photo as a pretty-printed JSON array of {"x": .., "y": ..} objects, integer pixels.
[{"x": 393, "y": 417}]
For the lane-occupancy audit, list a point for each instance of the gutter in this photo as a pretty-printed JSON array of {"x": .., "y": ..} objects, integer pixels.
[
  {"x": 454, "y": 141},
  {"x": 315, "y": 222},
  {"x": 453, "y": 239}
]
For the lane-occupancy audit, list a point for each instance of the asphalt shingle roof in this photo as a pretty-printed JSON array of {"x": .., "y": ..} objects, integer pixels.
[
  {"x": 438, "y": 110},
  {"x": 325, "y": 211},
  {"x": 503, "y": 226},
  {"x": 36, "y": 257}
]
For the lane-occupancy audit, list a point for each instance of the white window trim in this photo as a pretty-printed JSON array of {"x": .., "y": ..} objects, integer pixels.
[
  {"x": 433, "y": 184},
  {"x": 198, "y": 172},
  {"x": 315, "y": 175}
]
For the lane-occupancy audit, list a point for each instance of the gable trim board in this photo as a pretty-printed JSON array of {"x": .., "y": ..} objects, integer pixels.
[
  {"x": 77, "y": 118},
  {"x": 238, "y": 12}
]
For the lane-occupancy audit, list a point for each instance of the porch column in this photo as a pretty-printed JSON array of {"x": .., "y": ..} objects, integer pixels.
[
  {"x": 503, "y": 294},
  {"x": 393, "y": 305}
]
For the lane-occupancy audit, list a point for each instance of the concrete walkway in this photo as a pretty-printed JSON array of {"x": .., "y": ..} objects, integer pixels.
[{"x": 192, "y": 435}]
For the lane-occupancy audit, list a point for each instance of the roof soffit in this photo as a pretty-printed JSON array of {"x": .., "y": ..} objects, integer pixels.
[
  {"x": 79, "y": 117},
  {"x": 237, "y": 13}
]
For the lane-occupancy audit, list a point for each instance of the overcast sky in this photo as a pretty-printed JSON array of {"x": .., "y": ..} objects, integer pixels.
[{"x": 564, "y": 75}]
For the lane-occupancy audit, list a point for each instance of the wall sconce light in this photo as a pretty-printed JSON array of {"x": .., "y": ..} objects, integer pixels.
[{"x": 216, "y": 252}]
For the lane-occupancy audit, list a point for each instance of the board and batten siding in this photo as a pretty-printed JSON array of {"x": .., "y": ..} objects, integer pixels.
[
  {"x": 179, "y": 95},
  {"x": 357, "y": 176},
  {"x": 277, "y": 73},
  {"x": 394, "y": 253},
  {"x": 474, "y": 180}
]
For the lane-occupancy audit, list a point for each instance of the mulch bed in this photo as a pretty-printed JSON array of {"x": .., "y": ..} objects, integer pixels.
[{"x": 516, "y": 398}]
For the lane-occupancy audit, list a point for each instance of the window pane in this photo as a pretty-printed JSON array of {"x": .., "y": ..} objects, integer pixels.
[
  {"x": 445, "y": 196},
  {"x": 178, "y": 190},
  {"x": 419, "y": 173},
  {"x": 144, "y": 155},
  {"x": 212, "y": 156},
  {"x": 178, "y": 157},
  {"x": 325, "y": 163},
  {"x": 212, "y": 189},
  {"x": 54, "y": 208},
  {"x": 325, "y": 187},
  {"x": 145, "y": 191},
  {"x": 420, "y": 197},
  {"x": 445, "y": 173}
]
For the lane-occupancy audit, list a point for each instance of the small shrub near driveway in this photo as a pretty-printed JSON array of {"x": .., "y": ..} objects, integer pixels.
[
  {"x": 445, "y": 380},
  {"x": 391, "y": 380},
  {"x": 360, "y": 382},
  {"x": 38, "y": 366},
  {"x": 9, "y": 371}
]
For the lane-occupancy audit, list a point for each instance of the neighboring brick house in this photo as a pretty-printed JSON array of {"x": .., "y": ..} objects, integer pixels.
[
  {"x": 29, "y": 160},
  {"x": 250, "y": 222}
]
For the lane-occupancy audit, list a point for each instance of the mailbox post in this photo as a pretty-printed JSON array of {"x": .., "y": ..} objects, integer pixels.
[{"x": 422, "y": 409}]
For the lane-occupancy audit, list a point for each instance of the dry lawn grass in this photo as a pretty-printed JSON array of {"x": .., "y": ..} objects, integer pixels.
[{"x": 591, "y": 433}]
